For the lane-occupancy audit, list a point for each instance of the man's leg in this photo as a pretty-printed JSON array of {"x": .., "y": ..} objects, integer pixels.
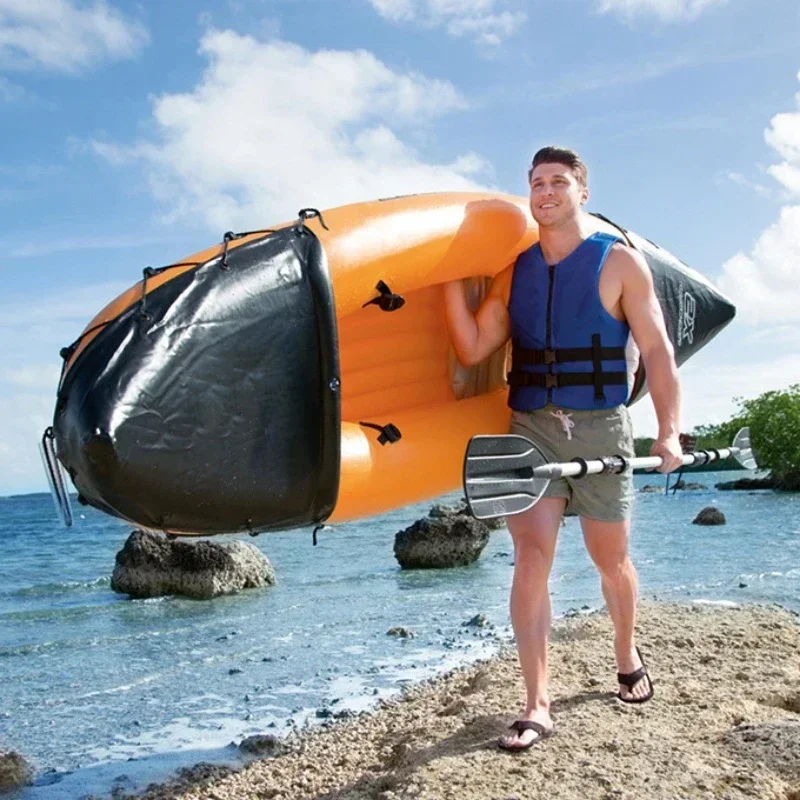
[
  {"x": 534, "y": 533},
  {"x": 607, "y": 543}
]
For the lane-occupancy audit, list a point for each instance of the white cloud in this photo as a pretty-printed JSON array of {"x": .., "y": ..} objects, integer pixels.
[
  {"x": 64, "y": 35},
  {"x": 39, "y": 376},
  {"x": 68, "y": 310},
  {"x": 666, "y": 10},
  {"x": 70, "y": 244},
  {"x": 764, "y": 284},
  {"x": 272, "y": 127},
  {"x": 26, "y": 415},
  {"x": 30, "y": 369},
  {"x": 712, "y": 379},
  {"x": 741, "y": 180},
  {"x": 483, "y": 20}
]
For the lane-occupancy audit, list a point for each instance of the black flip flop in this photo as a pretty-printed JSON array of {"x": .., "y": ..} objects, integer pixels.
[
  {"x": 526, "y": 725},
  {"x": 630, "y": 679}
]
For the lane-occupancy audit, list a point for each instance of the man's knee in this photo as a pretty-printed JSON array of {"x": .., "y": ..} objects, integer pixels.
[{"x": 532, "y": 555}]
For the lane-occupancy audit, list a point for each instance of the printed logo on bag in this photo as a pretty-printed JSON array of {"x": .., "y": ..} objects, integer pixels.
[{"x": 686, "y": 319}]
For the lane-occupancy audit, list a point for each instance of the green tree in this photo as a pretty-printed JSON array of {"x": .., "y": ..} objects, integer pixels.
[{"x": 774, "y": 420}]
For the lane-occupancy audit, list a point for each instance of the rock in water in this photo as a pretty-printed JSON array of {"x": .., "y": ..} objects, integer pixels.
[
  {"x": 150, "y": 565},
  {"x": 709, "y": 516},
  {"x": 449, "y": 539},
  {"x": 441, "y": 511},
  {"x": 262, "y": 744},
  {"x": 14, "y": 771}
]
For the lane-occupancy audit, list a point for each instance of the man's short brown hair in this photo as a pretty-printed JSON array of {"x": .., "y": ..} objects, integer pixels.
[{"x": 560, "y": 155}]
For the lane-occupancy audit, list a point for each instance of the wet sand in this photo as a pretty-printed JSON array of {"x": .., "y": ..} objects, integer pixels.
[{"x": 724, "y": 723}]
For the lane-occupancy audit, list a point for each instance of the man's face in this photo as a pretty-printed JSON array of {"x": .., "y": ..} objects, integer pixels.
[{"x": 556, "y": 195}]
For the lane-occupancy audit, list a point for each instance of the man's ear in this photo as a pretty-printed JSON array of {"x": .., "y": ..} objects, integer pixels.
[{"x": 584, "y": 195}]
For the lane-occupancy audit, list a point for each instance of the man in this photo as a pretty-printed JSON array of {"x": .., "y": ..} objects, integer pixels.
[{"x": 568, "y": 304}]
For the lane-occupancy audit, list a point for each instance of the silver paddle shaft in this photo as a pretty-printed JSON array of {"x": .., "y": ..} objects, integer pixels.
[{"x": 618, "y": 464}]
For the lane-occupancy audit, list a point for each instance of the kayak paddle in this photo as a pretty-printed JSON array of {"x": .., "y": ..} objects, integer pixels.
[{"x": 508, "y": 474}]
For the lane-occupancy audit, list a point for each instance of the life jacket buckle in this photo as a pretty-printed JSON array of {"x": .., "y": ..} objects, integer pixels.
[
  {"x": 549, "y": 356},
  {"x": 551, "y": 381}
]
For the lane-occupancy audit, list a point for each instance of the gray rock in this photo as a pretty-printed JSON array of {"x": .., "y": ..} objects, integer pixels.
[
  {"x": 150, "y": 565},
  {"x": 441, "y": 511},
  {"x": 648, "y": 489},
  {"x": 451, "y": 539},
  {"x": 263, "y": 744},
  {"x": 709, "y": 516},
  {"x": 775, "y": 744},
  {"x": 749, "y": 484},
  {"x": 15, "y": 771},
  {"x": 400, "y": 632}
]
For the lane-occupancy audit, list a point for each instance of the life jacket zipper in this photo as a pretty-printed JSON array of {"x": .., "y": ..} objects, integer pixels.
[{"x": 549, "y": 337}]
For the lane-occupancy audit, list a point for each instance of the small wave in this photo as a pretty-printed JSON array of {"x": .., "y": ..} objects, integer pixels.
[{"x": 42, "y": 589}]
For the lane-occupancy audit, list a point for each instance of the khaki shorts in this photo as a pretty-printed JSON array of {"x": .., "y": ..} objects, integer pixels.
[{"x": 606, "y": 432}]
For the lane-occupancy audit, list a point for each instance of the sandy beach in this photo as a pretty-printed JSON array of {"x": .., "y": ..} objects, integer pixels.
[{"x": 724, "y": 723}]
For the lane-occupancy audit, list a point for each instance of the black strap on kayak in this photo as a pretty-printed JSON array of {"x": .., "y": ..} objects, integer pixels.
[
  {"x": 623, "y": 231},
  {"x": 317, "y": 529},
  {"x": 389, "y": 433},
  {"x": 386, "y": 300},
  {"x": 150, "y": 272},
  {"x": 230, "y": 236},
  {"x": 308, "y": 213}
]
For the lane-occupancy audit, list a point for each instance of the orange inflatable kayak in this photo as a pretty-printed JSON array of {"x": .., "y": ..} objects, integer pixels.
[{"x": 304, "y": 373}]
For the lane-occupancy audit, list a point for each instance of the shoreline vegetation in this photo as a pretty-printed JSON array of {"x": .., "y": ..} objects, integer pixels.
[
  {"x": 724, "y": 723},
  {"x": 774, "y": 421}
]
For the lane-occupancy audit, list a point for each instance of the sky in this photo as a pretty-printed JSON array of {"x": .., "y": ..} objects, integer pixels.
[{"x": 136, "y": 133}]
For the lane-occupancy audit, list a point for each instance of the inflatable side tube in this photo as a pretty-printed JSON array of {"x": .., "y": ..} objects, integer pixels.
[{"x": 214, "y": 407}]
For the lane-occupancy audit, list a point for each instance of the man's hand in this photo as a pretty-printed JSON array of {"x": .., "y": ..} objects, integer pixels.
[{"x": 669, "y": 448}]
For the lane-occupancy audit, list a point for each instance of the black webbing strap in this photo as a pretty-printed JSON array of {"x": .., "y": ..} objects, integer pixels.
[
  {"x": 308, "y": 213},
  {"x": 389, "y": 433},
  {"x": 545, "y": 381},
  {"x": 597, "y": 363},
  {"x": 387, "y": 300},
  {"x": 523, "y": 356}
]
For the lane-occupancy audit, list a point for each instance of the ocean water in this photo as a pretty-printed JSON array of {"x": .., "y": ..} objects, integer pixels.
[{"x": 99, "y": 691}]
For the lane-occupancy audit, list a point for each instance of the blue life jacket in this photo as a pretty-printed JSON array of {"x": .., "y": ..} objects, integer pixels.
[{"x": 566, "y": 348}]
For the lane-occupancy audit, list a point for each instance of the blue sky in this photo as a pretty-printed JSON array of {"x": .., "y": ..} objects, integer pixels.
[{"x": 135, "y": 133}]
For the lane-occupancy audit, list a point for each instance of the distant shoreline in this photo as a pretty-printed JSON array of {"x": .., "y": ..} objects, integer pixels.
[{"x": 725, "y": 721}]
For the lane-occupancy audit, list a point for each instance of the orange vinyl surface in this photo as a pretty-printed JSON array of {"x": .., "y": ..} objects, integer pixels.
[{"x": 396, "y": 366}]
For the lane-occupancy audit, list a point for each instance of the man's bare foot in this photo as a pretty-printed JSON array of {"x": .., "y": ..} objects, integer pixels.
[{"x": 521, "y": 737}]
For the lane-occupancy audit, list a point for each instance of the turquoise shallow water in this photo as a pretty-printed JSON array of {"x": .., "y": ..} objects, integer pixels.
[{"x": 97, "y": 687}]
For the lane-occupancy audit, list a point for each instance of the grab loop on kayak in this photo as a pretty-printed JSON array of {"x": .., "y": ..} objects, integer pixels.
[
  {"x": 387, "y": 300},
  {"x": 151, "y": 272},
  {"x": 308, "y": 213},
  {"x": 389, "y": 433},
  {"x": 317, "y": 528},
  {"x": 230, "y": 236}
]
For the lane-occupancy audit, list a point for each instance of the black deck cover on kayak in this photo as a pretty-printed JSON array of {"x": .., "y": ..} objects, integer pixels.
[
  {"x": 219, "y": 410},
  {"x": 695, "y": 311}
]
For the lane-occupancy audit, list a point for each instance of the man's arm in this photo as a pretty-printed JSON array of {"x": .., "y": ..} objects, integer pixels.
[
  {"x": 643, "y": 313},
  {"x": 475, "y": 336}
]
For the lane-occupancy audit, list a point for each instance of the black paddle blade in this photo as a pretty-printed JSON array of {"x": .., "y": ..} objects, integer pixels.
[{"x": 498, "y": 475}]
